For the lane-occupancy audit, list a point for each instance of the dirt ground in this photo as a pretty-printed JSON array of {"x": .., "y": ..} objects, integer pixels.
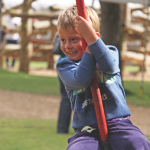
[{"x": 34, "y": 106}]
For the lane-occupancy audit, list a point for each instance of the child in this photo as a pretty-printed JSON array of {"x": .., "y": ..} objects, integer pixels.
[{"x": 77, "y": 72}]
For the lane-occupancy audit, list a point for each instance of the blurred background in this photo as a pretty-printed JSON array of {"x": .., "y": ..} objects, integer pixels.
[
  {"x": 29, "y": 86},
  {"x": 28, "y": 30}
]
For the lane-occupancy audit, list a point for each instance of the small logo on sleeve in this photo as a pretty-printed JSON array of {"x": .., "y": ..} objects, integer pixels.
[
  {"x": 75, "y": 92},
  {"x": 105, "y": 78}
]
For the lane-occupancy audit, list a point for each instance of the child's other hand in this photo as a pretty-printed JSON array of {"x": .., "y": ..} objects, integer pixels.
[{"x": 85, "y": 29}]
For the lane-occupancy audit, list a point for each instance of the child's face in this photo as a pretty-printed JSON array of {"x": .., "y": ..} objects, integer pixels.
[{"x": 71, "y": 43}]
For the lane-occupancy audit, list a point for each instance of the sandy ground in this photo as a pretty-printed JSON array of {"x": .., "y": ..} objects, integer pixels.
[{"x": 34, "y": 106}]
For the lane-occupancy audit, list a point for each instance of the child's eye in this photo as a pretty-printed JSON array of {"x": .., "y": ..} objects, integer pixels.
[
  {"x": 62, "y": 40},
  {"x": 74, "y": 39}
]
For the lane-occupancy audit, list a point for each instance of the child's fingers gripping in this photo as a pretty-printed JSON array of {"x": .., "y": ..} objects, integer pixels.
[
  {"x": 80, "y": 24},
  {"x": 81, "y": 21},
  {"x": 84, "y": 27},
  {"x": 77, "y": 24},
  {"x": 77, "y": 20}
]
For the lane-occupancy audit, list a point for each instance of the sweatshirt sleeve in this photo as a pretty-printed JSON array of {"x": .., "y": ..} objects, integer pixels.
[
  {"x": 107, "y": 57},
  {"x": 77, "y": 75}
]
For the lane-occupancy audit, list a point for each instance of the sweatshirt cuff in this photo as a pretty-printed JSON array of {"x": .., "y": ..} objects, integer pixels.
[
  {"x": 98, "y": 48},
  {"x": 89, "y": 61}
]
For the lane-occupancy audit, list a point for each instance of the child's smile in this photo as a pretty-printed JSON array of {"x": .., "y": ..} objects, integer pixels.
[{"x": 71, "y": 43}]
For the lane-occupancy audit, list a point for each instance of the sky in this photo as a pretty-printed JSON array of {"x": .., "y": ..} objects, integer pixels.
[{"x": 46, "y": 3}]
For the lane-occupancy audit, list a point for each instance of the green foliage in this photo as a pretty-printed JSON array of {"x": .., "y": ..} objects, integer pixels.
[
  {"x": 25, "y": 134},
  {"x": 132, "y": 89},
  {"x": 28, "y": 83}
]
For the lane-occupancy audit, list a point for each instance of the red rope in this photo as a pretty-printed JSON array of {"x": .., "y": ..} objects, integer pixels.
[{"x": 98, "y": 104}]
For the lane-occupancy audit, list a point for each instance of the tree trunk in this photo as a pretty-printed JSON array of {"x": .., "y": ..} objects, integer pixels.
[{"x": 112, "y": 18}]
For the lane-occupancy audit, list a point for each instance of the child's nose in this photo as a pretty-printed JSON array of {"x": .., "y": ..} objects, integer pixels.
[{"x": 68, "y": 45}]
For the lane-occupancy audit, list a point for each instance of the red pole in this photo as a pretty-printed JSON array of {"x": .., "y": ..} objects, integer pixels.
[{"x": 98, "y": 104}]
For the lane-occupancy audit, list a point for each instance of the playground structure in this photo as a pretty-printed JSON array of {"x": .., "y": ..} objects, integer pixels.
[
  {"x": 42, "y": 24},
  {"x": 135, "y": 41},
  {"x": 33, "y": 24}
]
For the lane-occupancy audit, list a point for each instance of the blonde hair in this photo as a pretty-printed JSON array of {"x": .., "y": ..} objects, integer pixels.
[{"x": 66, "y": 18}]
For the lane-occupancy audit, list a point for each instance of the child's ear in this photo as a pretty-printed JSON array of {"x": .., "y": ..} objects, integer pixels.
[{"x": 98, "y": 34}]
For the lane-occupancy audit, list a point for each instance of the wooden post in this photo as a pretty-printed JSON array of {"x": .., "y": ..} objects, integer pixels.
[
  {"x": 1, "y": 59},
  {"x": 25, "y": 38},
  {"x": 50, "y": 57},
  {"x": 125, "y": 16}
]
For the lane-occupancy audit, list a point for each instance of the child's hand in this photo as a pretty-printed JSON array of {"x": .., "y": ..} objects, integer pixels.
[
  {"x": 83, "y": 26},
  {"x": 85, "y": 29}
]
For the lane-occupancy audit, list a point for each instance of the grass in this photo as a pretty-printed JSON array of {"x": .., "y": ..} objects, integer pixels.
[
  {"x": 28, "y": 83},
  {"x": 32, "y": 64},
  {"x": 133, "y": 92},
  {"x": 36, "y": 64},
  {"x": 133, "y": 97},
  {"x": 50, "y": 85},
  {"x": 148, "y": 137},
  {"x": 133, "y": 68},
  {"x": 25, "y": 134}
]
